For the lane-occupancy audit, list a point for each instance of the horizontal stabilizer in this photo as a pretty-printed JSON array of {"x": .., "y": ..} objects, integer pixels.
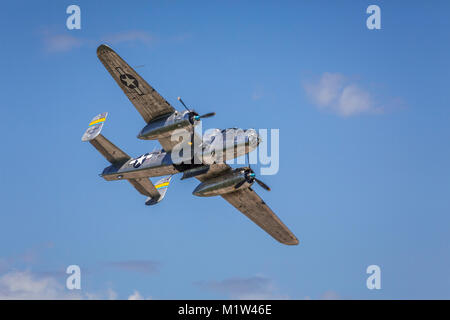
[{"x": 145, "y": 187}]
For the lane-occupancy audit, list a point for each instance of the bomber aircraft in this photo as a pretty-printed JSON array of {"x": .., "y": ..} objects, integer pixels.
[{"x": 206, "y": 158}]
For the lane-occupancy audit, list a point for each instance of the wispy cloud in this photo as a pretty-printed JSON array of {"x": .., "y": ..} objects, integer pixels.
[
  {"x": 141, "y": 266},
  {"x": 258, "y": 93},
  {"x": 130, "y": 36},
  {"x": 252, "y": 288},
  {"x": 335, "y": 93},
  {"x": 29, "y": 256},
  {"x": 54, "y": 43},
  {"x": 66, "y": 41}
]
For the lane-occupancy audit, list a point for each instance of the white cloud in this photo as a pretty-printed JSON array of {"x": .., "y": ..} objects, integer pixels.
[
  {"x": 111, "y": 294},
  {"x": 252, "y": 288},
  {"x": 19, "y": 283},
  {"x": 24, "y": 285},
  {"x": 335, "y": 93},
  {"x": 330, "y": 295},
  {"x": 135, "y": 296}
]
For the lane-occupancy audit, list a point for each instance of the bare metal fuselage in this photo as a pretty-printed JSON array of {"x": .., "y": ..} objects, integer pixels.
[{"x": 160, "y": 163}]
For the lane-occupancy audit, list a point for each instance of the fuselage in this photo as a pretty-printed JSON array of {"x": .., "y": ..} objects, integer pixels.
[{"x": 217, "y": 146}]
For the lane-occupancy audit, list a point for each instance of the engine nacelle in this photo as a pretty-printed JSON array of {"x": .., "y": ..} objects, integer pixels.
[
  {"x": 165, "y": 125},
  {"x": 223, "y": 184}
]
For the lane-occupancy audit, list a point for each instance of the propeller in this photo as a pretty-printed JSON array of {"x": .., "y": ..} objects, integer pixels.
[
  {"x": 194, "y": 115},
  {"x": 250, "y": 177}
]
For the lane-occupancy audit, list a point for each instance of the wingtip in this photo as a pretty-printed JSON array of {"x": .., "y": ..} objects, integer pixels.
[
  {"x": 293, "y": 242},
  {"x": 103, "y": 48}
]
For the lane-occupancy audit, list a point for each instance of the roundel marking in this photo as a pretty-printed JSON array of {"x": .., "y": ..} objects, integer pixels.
[{"x": 129, "y": 81}]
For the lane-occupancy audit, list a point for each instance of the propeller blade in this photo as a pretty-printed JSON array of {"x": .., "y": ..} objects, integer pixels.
[
  {"x": 262, "y": 184},
  {"x": 182, "y": 102},
  {"x": 239, "y": 184},
  {"x": 208, "y": 115}
]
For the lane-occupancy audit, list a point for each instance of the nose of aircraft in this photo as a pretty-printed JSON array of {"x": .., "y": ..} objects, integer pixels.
[{"x": 252, "y": 137}]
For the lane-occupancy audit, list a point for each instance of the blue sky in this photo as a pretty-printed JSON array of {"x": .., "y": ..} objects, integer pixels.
[{"x": 359, "y": 187}]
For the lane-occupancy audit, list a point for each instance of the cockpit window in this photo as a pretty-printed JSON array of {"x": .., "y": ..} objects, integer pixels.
[{"x": 229, "y": 129}]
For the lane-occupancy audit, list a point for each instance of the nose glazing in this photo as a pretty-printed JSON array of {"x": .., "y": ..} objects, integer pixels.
[{"x": 252, "y": 137}]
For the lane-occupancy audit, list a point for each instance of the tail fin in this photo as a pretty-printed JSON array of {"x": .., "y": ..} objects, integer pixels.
[
  {"x": 162, "y": 185},
  {"x": 112, "y": 153},
  {"x": 95, "y": 126}
]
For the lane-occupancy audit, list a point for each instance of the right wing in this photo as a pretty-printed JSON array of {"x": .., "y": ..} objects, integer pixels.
[
  {"x": 249, "y": 203},
  {"x": 214, "y": 170},
  {"x": 147, "y": 101}
]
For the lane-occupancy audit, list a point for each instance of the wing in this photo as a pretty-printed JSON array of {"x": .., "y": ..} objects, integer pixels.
[
  {"x": 250, "y": 204},
  {"x": 215, "y": 170},
  {"x": 147, "y": 101},
  {"x": 167, "y": 143}
]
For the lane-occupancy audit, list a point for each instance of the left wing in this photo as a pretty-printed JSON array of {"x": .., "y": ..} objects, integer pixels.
[
  {"x": 147, "y": 101},
  {"x": 249, "y": 203}
]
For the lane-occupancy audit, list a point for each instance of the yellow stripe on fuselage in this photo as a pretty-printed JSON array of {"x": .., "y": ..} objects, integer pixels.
[
  {"x": 164, "y": 184},
  {"x": 97, "y": 121}
]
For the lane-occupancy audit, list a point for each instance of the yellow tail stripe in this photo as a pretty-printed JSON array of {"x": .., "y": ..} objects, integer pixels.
[
  {"x": 164, "y": 184},
  {"x": 97, "y": 121}
]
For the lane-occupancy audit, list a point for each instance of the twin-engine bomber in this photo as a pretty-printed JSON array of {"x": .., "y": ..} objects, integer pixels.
[{"x": 206, "y": 155}]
